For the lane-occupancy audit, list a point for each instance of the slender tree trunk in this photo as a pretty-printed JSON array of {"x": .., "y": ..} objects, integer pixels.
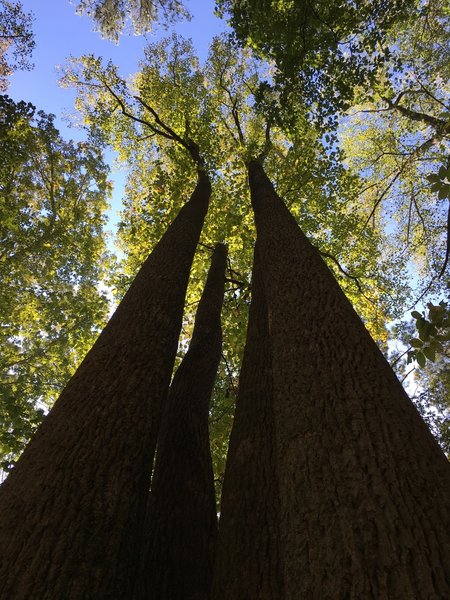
[
  {"x": 363, "y": 487},
  {"x": 181, "y": 526},
  {"x": 248, "y": 564},
  {"x": 72, "y": 509}
]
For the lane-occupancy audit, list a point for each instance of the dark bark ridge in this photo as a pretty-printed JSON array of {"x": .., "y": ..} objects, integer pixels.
[
  {"x": 248, "y": 563},
  {"x": 71, "y": 511},
  {"x": 363, "y": 486},
  {"x": 181, "y": 527}
]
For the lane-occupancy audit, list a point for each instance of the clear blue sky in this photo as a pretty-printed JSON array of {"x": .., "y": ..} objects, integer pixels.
[{"x": 60, "y": 33}]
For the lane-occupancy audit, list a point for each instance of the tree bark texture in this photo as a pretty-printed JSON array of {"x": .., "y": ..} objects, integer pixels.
[
  {"x": 363, "y": 486},
  {"x": 248, "y": 563},
  {"x": 71, "y": 512},
  {"x": 181, "y": 528}
]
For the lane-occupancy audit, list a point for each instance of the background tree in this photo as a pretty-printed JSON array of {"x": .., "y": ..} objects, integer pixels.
[
  {"x": 53, "y": 260},
  {"x": 397, "y": 138},
  {"x": 16, "y": 40}
]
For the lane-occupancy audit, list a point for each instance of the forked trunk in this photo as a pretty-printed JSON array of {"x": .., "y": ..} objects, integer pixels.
[
  {"x": 71, "y": 512},
  {"x": 363, "y": 486},
  {"x": 247, "y": 564},
  {"x": 181, "y": 526}
]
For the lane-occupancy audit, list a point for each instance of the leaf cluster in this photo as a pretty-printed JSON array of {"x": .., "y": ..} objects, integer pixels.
[
  {"x": 433, "y": 334},
  {"x": 323, "y": 50},
  {"x": 114, "y": 17},
  {"x": 16, "y": 40}
]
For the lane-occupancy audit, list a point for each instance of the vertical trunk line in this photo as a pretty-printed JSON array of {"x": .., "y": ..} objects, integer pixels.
[
  {"x": 248, "y": 561},
  {"x": 181, "y": 525}
]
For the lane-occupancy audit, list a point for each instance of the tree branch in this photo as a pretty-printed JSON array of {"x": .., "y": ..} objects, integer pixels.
[
  {"x": 438, "y": 124},
  {"x": 341, "y": 268}
]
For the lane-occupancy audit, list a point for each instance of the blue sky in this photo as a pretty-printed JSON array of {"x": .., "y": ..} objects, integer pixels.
[{"x": 60, "y": 33}]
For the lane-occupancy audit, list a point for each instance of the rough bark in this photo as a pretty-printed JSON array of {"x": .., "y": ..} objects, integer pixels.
[
  {"x": 364, "y": 488},
  {"x": 247, "y": 564},
  {"x": 181, "y": 526},
  {"x": 72, "y": 509}
]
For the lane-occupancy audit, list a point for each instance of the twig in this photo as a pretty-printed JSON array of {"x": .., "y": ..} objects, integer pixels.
[
  {"x": 341, "y": 268},
  {"x": 408, "y": 374}
]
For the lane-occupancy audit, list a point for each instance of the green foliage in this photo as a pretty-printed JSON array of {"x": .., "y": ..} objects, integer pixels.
[
  {"x": 433, "y": 398},
  {"x": 113, "y": 16},
  {"x": 52, "y": 260},
  {"x": 440, "y": 182},
  {"x": 398, "y": 139},
  {"x": 16, "y": 40},
  {"x": 322, "y": 49},
  {"x": 427, "y": 382},
  {"x": 433, "y": 334}
]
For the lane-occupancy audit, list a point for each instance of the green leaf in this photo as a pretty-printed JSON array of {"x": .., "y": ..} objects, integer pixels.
[
  {"x": 421, "y": 359},
  {"x": 416, "y": 315},
  {"x": 430, "y": 353},
  {"x": 436, "y": 345},
  {"x": 443, "y": 192},
  {"x": 416, "y": 343}
]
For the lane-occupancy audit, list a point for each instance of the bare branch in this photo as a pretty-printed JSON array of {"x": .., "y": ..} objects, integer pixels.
[
  {"x": 126, "y": 113},
  {"x": 407, "y": 374},
  {"x": 340, "y": 267},
  {"x": 414, "y": 155},
  {"x": 267, "y": 142},
  {"x": 392, "y": 364}
]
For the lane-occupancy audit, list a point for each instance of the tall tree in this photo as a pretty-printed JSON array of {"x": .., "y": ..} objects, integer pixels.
[
  {"x": 181, "y": 524},
  {"x": 53, "y": 260},
  {"x": 223, "y": 120},
  {"x": 72, "y": 509},
  {"x": 363, "y": 486}
]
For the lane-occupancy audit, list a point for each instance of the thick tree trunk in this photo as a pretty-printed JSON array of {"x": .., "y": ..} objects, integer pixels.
[
  {"x": 72, "y": 509},
  {"x": 363, "y": 486},
  {"x": 247, "y": 564},
  {"x": 181, "y": 526}
]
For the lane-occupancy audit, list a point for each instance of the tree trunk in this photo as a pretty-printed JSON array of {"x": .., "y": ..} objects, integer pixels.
[
  {"x": 181, "y": 526},
  {"x": 72, "y": 509},
  {"x": 247, "y": 564},
  {"x": 363, "y": 486}
]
